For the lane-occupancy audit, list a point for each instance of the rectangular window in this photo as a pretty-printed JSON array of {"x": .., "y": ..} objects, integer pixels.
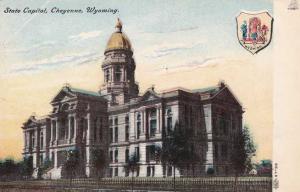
[
  {"x": 126, "y": 172},
  {"x": 216, "y": 153},
  {"x": 126, "y": 133},
  {"x": 101, "y": 129},
  {"x": 224, "y": 152},
  {"x": 111, "y": 156},
  {"x": 126, "y": 155},
  {"x": 138, "y": 129},
  {"x": 116, "y": 156},
  {"x": 95, "y": 129},
  {"x": 116, "y": 134},
  {"x": 150, "y": 153},
  {"x": 137, "y": 152},
  {"x": 111, "y": 135},
  {"x": 152, "y": 127},
  {"x": 41, "y": 160},
  {"x": 110, "y": 172},
  {"x": 41, "y": 140},
  {"x": 169, "y": 171},
  {"x": 116, "y": 172},
  {"x": 169, "y": 124},
  {"x": 148, "y": 171}
]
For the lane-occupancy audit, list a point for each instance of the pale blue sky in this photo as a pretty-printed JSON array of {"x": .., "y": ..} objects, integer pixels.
[{"x": 159, "y": 30}]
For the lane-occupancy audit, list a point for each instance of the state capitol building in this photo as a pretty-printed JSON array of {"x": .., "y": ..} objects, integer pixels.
[{"x": 119, "y": 121}]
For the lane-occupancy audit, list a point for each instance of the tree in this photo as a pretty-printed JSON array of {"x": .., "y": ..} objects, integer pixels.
[
  {"x": 132, "y": 165},
  {"x": 71, "y": 164},
  {"x": 27, "y": 166},
  {"x": 244, "y": 150},
  {"x": 98, "y": 160},
  {"x": 46, "y": 165},
  {"x": 177, "y": 149}
]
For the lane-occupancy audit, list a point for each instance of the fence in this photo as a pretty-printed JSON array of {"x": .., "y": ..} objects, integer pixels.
[{"x": 207, "y": 184}]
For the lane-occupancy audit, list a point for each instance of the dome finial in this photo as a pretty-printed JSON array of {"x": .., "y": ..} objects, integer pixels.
[{"x": 119, "y": 25}]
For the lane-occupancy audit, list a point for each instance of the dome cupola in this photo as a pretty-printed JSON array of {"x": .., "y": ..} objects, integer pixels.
[{"x": 118, "y": 40}]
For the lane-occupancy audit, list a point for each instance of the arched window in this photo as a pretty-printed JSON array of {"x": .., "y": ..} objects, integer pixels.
[
  {"x": 138, "y": 125},
  {"x": 169, "y": 121},
  {"x": 41, "y": 139},
  {"x": 72, "y": 127},
  {"x": 153, "y": 120},
  {"x": 118, "y": 73}
]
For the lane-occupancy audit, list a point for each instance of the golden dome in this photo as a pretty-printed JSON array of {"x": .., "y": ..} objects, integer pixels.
[{"x": 118, "y": 40}]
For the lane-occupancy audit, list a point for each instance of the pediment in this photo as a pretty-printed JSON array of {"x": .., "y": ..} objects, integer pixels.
[
  {"x": 63, "y": 95},
  {"x": 31, "y": 122},
  {"x": 227, "y": 96},
  {"x": 149, "y": 95}
]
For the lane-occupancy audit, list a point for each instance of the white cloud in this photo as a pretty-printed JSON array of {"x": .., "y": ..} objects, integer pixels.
[
  {"x": 167, "y": 49},
  {"x": 59, "y": 60},
  {"x": 85, "y": 35}
]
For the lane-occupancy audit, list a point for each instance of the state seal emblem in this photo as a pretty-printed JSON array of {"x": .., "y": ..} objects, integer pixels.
[{"x": 254, "y": 30}]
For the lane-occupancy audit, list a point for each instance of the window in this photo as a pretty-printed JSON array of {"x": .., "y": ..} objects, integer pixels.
[
  {"x": 116, "y": 156},
  {"x": 118, "y": 74},
  {"x": 126, "y": 172},
  {"x": 54, "y": 130},
  {"x": 148, "y": 171},
  {"x": 150, "y": 153},
  {"x": 138, "y": 171},
  {"x": 126, "y": 128},
  {"x": 153, "y": 122},
  {"x": 111, "y": 156},
  {"x": 138, "y": 125},
  {"x": 224, "y": 151},
  {"x": 110, "y": 172},
  {"x": 126, "y": 155},
  {"x": 137, "y": 152},
  {"x": 127, "y": 119},
  {"x": 116, "y": 172},
  {"x": 41, "y": 160},
  {"x": 100, "y": 130},
  {"x": 216, "y": 153},
  {"x": 32, "y": 139},
  {"x": 126, "y": 132},
  {"x": 138, "y": 128},
  {"x": 72, "y": 127},
  {"x": 116, "y": 134},
  {"x": 169, "y": 124},
  {"x": 116, "y": 121},
  {"x": 111, "y": 134},
  {"x": 169, "y": 171},
  {"x": 95, "y": 129},
  {"x": 41, "y": 139},
  {"x": 153, "y": 171}
]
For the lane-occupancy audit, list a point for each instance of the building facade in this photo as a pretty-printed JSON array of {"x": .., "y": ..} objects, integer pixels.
[{"x": 119, "y": 121}]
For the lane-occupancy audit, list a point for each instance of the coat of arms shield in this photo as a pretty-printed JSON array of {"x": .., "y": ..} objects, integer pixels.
[{"x": 254, "y": 30}]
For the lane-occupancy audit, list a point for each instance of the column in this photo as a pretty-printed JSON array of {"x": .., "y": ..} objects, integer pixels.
[
  {"x": 51, "y": 132},
  {"x": 75, "y": 129},
  {"x": 88, "y": 130},
  {"x": 55, "y": 158},
  {"x": 125, "y": 74},
  {"x": 112, "y": 74},
  {"x": 158, "y": 119},
  {"x": 144, "y": 121},
  {"x": 24, "y": 139},
  {"x": 36, "y": 139},
  {"x": 69, "y": 129},
  {"x": 57, "y": 131}
]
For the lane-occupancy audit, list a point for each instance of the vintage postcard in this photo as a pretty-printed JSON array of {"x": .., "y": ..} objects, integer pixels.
[{"x": 146, "y": 95}]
